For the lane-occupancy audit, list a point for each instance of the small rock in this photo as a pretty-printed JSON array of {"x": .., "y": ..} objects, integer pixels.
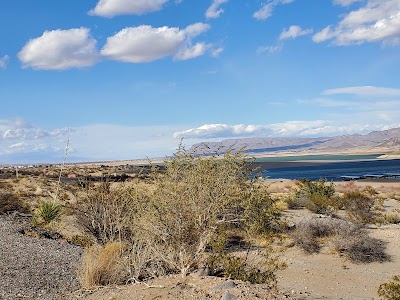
[
  {"x": 201, "y": 272},
  {"x": 224, "y": 286},
  {"x": 228, "y": 296}
]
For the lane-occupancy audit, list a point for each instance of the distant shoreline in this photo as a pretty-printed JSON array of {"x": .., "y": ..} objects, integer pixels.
[
  {"x": 159, "y": 160},
  {"x": 275, "y": 164}
]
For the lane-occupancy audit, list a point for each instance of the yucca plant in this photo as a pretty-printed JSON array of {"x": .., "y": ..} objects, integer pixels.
[{"x": 48, "y": 211}]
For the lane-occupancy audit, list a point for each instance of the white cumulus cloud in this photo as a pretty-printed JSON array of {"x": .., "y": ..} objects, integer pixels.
[
  {"x": 375, "y": 21},
  {"x": 4, "y": 61},
  {"x": 267, "y": 8},
  {"x": 315, "y": 128},
  {"x": 214, "y": 11},
  {"x": 212, "y": 131},
  {"x": 192, "y": 52},
  {"x": 293, "y": 32},
  {"x": 59, "y": 50},
  {"x": 19, "y": 129},
  {"x": 111, "y": 8},
  {"x": 146, "y": 43}
]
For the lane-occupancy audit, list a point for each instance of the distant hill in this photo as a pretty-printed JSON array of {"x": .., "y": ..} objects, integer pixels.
[{"x": 377, "y": 140}]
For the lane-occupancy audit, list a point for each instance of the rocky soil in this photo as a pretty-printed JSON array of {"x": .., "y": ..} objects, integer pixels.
[{"x": 34, "y": 267}]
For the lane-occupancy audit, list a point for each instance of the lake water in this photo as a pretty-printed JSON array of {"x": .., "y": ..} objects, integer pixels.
[
  {"x": 319, "y": 157},
  {"x": 329, "y": 170}
]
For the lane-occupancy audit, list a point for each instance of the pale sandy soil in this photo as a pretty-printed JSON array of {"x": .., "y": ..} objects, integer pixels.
[
  {"x": 189, "y": 287},
  {"x": 327, "y": 275}
]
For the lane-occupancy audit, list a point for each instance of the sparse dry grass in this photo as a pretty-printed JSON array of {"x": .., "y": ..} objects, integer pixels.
[
  {"x": 11, "y": 202},
  {"x": 103, "y": 265},
  {"x": 388, "y": 218}
]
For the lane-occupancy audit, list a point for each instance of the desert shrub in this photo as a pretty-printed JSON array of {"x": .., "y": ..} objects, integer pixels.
[
  {"x": 317, "y": 196},
  {"x": 281, "y": 205},
  {"x": 390, "y": 290},
  {"x": 110, "y": 214},
  {"x": 370, "y": 191},
  {"x": 240, "y": 268},
  {"x": 359, "y": 206},
  {"x": 306, "y": 241},
  {"x": 167, "y": 223},
  {"x": 11, "y": 202},
  {"x": 355, "y": 244},
  {"x": 142, "y": 262},
  {"x": 307, "y": 233},
  {"x": 260, "y": 214},
  {"x": 103, "y": 265},
  {"x": 295, "y": 202},
  {"x": 195, "y": 196},
  {"x": 349, "y": 239},
  {"x": 391, "y": 218},
  {"x": 47, "y": 212}
]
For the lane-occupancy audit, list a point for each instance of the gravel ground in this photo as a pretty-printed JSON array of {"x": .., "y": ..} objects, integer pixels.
[{"x": 32, "y": 267}]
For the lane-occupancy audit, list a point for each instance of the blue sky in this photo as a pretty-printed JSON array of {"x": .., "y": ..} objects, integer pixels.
[{"x": 133, "y": 77}]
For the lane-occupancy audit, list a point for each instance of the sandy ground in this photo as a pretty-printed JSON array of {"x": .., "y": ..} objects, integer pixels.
[
  {"x": 326, "y": 275},
  {"x": 189, "y": 287},
  {"x": 329, "y": 276}
]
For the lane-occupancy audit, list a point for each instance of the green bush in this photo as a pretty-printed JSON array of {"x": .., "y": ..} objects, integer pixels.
[
  {"x": 390, "y": 290},
  {"x": 47, "y": 212},
  {"x": 317, "y": 196}
]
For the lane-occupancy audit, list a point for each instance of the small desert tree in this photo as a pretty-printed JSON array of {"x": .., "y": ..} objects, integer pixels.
[
  {"x": 195, "y": 196},
  {"x": 168, "y": 223}
]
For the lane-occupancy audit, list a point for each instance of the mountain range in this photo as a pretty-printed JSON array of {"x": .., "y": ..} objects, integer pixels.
[{"x": 379, "y": 141}]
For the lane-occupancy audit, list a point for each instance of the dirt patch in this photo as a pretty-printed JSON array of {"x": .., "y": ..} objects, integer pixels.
[{"x": 189, "y": 287}]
